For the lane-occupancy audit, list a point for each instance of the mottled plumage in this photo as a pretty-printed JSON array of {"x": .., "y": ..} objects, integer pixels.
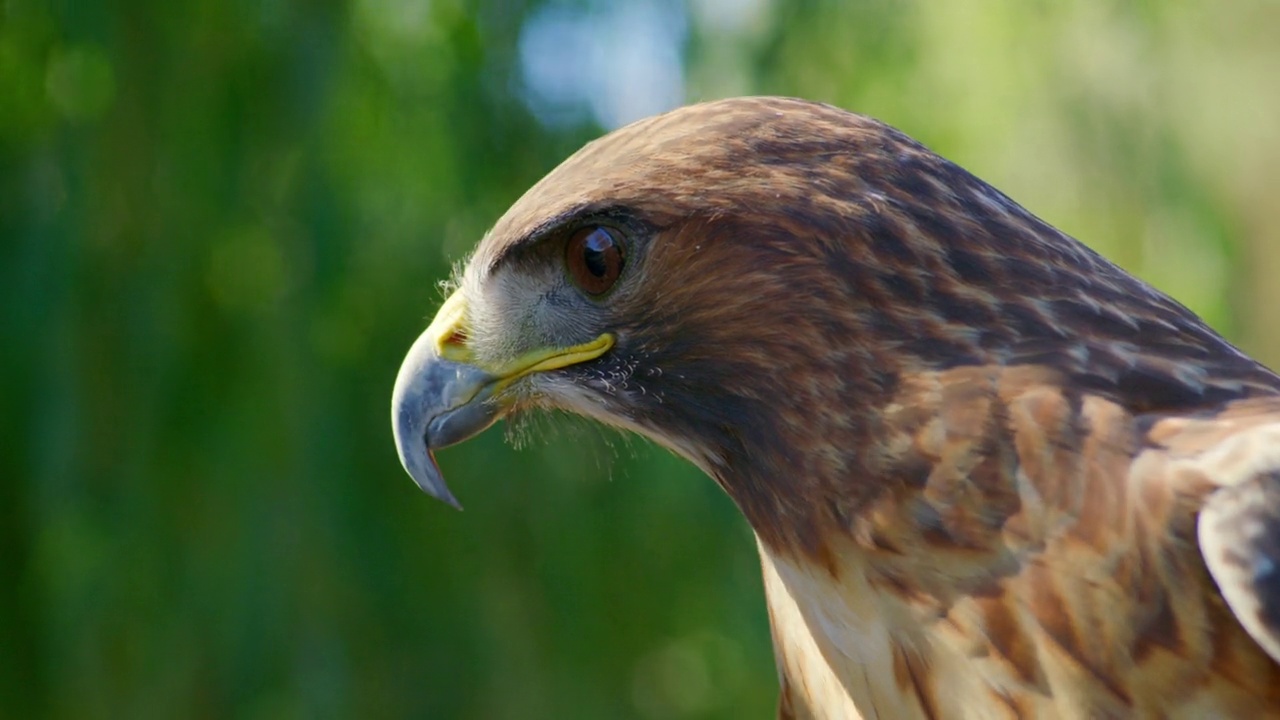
[{"x": 991, "y": 474}]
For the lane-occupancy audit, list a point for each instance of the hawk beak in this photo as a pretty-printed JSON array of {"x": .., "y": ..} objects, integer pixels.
[{"x": 443, "y": 396}]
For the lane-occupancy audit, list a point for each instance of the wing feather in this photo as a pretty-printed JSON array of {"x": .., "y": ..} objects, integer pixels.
[{"x": 1239, "y": 532}]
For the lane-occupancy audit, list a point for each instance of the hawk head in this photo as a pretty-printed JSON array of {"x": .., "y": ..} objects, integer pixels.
[{"x": 751, "y": 282}]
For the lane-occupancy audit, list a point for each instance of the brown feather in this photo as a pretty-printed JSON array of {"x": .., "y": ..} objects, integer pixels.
[{"x": 974, "y": 452}]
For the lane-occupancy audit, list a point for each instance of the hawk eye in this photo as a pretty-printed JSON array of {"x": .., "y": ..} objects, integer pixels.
[{"x": 595, "y": 257}]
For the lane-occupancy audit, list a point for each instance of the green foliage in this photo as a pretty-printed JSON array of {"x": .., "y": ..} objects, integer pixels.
[{"x": 222, "y": 224}]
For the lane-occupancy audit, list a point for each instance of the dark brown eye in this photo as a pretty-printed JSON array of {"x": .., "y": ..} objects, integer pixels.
[{"x": 595, "y": 258}]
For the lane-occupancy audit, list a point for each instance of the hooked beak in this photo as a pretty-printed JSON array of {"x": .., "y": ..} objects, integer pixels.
[{"x": 443, "y": 396}]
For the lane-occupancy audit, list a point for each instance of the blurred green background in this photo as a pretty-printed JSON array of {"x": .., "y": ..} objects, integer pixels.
[{"x": 223, "y": 222}]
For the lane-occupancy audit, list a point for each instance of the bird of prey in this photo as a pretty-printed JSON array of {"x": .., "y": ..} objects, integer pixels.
[{"x": 990, "y": 474}]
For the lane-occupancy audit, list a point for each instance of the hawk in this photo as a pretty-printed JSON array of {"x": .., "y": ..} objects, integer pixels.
[{"x": 990, "y": 474}]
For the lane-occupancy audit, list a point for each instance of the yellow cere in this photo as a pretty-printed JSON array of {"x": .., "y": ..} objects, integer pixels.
[{"x": 449, "y": 325}]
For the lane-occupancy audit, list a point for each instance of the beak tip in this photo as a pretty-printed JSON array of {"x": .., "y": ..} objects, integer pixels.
[
  {"x": 445, "y": 497},
  {"x": 432, "y": 483},
  {"x": 421, "y": 465}
]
